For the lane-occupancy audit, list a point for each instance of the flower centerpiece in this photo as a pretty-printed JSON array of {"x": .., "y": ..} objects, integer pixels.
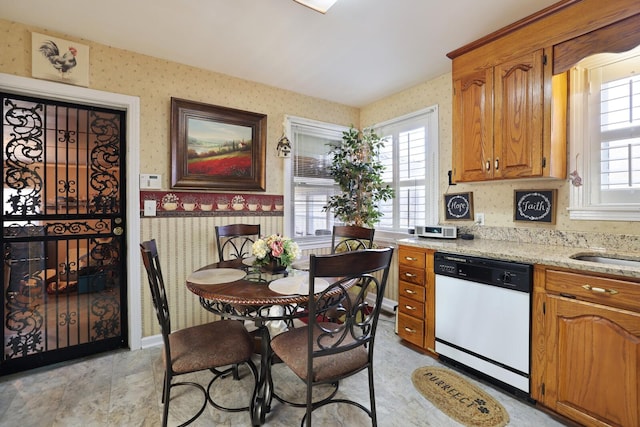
[{"x": 275, "y": 252}]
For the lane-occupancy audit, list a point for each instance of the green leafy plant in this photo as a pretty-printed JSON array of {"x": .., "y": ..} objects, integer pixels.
[{"x": 357, "y": 170}]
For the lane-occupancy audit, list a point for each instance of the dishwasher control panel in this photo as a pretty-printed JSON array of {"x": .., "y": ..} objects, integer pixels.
[{"x": 507, "y": 274}]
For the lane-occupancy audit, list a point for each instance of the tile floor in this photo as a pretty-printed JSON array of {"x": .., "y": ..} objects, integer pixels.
[{"x": 123, "y": 389}]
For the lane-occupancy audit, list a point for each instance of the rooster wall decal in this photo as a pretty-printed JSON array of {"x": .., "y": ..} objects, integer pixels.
[{"x": 63, "y": 63}]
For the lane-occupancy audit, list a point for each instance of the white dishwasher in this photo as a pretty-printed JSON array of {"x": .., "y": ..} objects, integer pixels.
[{"x": 483, "y": 318}]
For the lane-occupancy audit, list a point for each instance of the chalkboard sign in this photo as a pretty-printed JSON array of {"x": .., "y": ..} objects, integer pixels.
[
  {"x": 458, "y": 206},
  {"x": 535, "y": 206}
]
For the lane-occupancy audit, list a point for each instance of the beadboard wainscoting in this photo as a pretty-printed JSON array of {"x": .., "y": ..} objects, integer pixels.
[{"x": 188, "y": 243}]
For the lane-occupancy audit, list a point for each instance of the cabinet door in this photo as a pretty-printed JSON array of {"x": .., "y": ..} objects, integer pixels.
[
  {"x": 473, "y": 127},
  {"x": 518, "y": 117},
  {"x": 593, "y": 372}
]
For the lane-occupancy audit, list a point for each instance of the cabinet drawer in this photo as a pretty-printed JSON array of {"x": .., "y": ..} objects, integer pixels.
[
  {"x": 409, "y": 290},
  {"x": 411, "y": 329},
  {"x": 412, "y": 257},
  {"x": 611, "y": 292},
  {"x": 412, "y": 275},
  {"x": 411, "y": 307}
]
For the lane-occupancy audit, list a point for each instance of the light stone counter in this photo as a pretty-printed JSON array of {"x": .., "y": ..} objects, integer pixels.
[{"x": 532, "y": 253}]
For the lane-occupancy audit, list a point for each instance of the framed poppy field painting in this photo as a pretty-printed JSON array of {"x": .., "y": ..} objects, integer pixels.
[{"x": 216, "y": 148}]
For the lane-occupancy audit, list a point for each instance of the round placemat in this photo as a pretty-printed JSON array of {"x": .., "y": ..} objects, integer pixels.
[{"x": 216, "y": 275}]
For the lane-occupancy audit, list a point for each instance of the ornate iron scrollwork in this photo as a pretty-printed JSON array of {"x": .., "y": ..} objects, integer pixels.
[
  {"x": 22, "y": 154},
  {"x": 61, "y": 196},
  {"x": 105, "y": 159}
]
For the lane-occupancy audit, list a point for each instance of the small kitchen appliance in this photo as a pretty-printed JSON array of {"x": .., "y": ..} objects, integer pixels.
[{"x": 437, "y": 231}]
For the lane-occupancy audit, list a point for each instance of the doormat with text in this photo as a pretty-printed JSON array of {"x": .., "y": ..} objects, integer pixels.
[{"x": 458, "y": 398}]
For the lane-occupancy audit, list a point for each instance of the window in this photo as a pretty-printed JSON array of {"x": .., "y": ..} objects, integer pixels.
[
  {"x": 410, "y": 155},
  {"x": 619, "y": 136},
  {"x": 310, "y": 185},
  {"x": 605, "y": 137}
]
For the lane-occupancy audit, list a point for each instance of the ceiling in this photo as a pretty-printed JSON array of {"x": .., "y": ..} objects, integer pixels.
[{"x": 358, "y": 52}]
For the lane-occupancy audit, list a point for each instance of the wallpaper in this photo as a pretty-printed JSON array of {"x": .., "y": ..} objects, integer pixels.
[{"x": 155, "y": 81}]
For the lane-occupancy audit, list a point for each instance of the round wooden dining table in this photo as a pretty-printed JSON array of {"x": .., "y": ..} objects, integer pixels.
[
  {"x": 243, "y": 296},
  {"x": 238, "y": 290}
]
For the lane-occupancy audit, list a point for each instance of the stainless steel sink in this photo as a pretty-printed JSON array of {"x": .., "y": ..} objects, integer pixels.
[{"x": 607, "y": 259}]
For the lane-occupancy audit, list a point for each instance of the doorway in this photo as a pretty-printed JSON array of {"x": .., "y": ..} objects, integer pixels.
[{"x": 64, "y": 204}]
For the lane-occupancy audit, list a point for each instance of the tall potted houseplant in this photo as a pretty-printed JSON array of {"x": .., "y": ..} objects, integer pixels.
[{"x": 357, "y": 170}]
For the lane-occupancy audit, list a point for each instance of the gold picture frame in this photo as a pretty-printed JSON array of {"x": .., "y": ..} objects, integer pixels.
[{"x": 217, "y": 148}]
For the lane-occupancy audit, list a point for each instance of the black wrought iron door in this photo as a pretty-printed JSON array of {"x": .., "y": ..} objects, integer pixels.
[{"x": 64, "y": 266}]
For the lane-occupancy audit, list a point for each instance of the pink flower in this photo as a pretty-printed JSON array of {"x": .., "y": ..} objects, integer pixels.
[{"x": 277, "y": 249}]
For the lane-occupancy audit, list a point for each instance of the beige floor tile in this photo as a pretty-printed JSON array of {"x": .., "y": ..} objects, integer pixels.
[{"x": 124, "y": 388}]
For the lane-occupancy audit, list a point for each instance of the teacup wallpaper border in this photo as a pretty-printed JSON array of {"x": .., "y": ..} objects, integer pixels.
[{"x": 186, "y": 203}]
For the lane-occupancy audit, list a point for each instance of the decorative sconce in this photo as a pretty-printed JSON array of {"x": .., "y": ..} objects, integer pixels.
[{"x": 284, "y": 147}]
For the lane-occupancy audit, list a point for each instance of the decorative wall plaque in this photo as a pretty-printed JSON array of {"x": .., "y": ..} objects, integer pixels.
[
  {"x": 535, "y": 206},
  {"x": 458, "y": 206},
  {"x": 59, "y": 60}
]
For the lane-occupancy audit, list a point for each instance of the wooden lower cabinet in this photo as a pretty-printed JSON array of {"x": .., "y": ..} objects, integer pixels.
[
  {"x": 416, "y": 297},
  {"x": 586, "y": 347},
  {"x": 411, "y": 329}
]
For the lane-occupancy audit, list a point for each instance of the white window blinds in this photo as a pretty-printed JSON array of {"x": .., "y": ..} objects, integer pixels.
[{"x": 311, "y": 184}]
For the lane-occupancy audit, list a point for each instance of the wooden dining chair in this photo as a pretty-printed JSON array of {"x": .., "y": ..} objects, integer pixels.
[
  {"x": 324, "y": 352},
  {"x": 235, "y": 240},
  {"x": 209, "y": 346},
  {"x": 351, "y": 238}
]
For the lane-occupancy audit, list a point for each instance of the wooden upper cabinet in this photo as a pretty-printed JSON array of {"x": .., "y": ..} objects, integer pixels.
[
  {"x": 510, "y": 87},
  {"x": 518, "y": 117},
  {"x": 473, "y": 126},
  {"x": 499, "y": 121}
]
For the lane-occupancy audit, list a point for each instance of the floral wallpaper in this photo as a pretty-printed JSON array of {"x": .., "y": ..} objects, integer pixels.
[{"x": 156, "y": 80}]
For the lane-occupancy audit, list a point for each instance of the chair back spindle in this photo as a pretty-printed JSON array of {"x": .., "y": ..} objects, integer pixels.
[
  {"x": 347, "y": 238},
  {"x": 235, "y": 240},
  {"x": 151, "y": 261}
]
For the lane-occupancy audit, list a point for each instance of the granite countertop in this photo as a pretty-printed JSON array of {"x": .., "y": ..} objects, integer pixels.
[{"x": 532, "y": 253}]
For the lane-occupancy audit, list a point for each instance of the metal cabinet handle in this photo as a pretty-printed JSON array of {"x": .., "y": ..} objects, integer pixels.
[
  {"x": 497, "y": 163},
  {"x": 600, "y": 290},
  {"x": 408, "y": 258},
  {"x": 409, "y": 307},
  {"x": 410, "y": 275},
  {"x": 412, "y": 331},
  {"x": 488, "y": 166},
  {"x": 409, "y": 291}
]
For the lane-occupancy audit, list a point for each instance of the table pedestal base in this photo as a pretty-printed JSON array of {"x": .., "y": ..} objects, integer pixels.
[{"x": 261, "y": 402}]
